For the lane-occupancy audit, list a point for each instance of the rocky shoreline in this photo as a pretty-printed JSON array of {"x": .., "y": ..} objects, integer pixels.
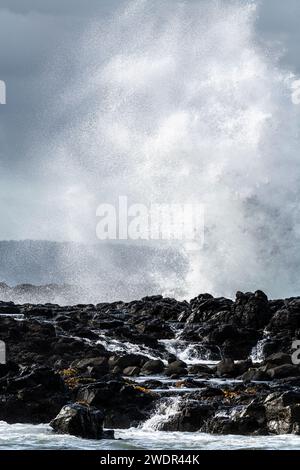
[{"x": 212, "y": 365}]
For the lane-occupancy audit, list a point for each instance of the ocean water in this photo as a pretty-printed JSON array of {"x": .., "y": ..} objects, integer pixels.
[{"x": 41, "y": 437}]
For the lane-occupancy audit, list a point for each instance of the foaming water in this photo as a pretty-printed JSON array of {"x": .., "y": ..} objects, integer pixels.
[
  {"x": 257, "y": 353},
  {"x": 117, "y": 346},
  {"x": 179, "y": 103},
  {"x": 40, "y": 437},
  {"x": 165, "y": 410},
  {"x": 190, "y": 353}
]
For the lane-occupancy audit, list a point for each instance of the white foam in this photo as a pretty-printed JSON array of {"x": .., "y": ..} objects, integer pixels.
[
  {"x": 184, "y": 105},
  {"x": 40, "y": 437}
]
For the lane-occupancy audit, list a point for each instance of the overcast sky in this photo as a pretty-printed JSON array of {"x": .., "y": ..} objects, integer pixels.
[{"x": 32, "y": 34}]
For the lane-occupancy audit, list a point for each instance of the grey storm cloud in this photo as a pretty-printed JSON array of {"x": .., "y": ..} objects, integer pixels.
[
  {"x": 59, "y": 7},
  {"x": 32, "y": 33}
]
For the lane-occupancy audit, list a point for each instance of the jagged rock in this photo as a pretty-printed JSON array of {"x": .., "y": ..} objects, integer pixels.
[
  {"x": 211, "y": 392},
  {"x": 127, "y": 360},
  {"x": 193, "y": 332},
  {"x": 189, "y": 418},
  {"x": 131, "y": 371},
  {"x": 101, "y": 392},
  {"x": 242, "y": 366},
  {"x": 223, "y": 425},
  {"x": 226, "y": 368},
  {"x": 278, "y": 359},
  {"x": 84, "y": 371},
  {"x": 171, "y": 358},
  {"x": 257, "y": 375},
  {"x": 249, "y": 420},
  {"x": 44, "y": 376},
  {"x": 8, "y": 308},
  {"x": 176, "y": 368},
  {"x": 126, "y": 405},
  {"x": 152, "y": 384},
  {"x": 200, "y": 370},
  {"x": 283, "y": 412},
  {"x": 34, "y": 396},
  {"x": 240, "y": 347},
  {"x": 252, "y": 310},
  {"x": 222, "y": 333},
  {"x": 94, "y": 365},
  {"x": 283, "y": 371},
  {"x": 271, "y": 346},
  {"x": 154, "y": 327},
  {"x": 81, "y": 421},
  {"x": 154, "y": 366},
  {"x": 205, "y": 307},
  {"x": 234, "y": 341},
  {"x": 159, "y": 307},
  {"x": 286, "y": 319},
  {"x": 256, "y": 412}
]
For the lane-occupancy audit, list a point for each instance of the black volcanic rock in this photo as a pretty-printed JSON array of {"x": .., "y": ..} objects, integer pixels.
[
  {"x": 190, "y": 417},
  {"x": 226, "y": 368},
  {"x": 125, "y": 404},
  {"x": 91, "y": 356},
  {"x": 205, "y": 307},
  {"x": 154, "y": 366},
  {"x": 283, "y": 412},
  {"x": 176, "y": 368},
  {"x": 81, "y": 421},
  {"x": 251, "y": 310},
  {"x": 126, "y": 360},
  {"x": 32, "y": 396}
]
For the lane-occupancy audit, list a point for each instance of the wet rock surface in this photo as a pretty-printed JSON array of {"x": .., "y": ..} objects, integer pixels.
[
  {"x": 212, "y": 365},
  {"x": 81, "y": 421}
]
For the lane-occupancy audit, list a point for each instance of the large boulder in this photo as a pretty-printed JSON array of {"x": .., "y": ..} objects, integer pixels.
[
  {"x": 118, "y": 362},
  {"x": 94, "y": 366},
  {"x": 251, "y": 310},
  {"x": 81, "y": 421},
  {"x": 207, "y": 308},
  {"x": 159, "y": 307},
  {"x": 249, "y": 420},
  {"x": 131, "y": 371},
  {"x": 125, "y": 404},
  {"x": 284, "y": 371},
  {"x": 101, "y": 393},
  {"x": 255, "y": 375},
  {"x": 201, "y": 370},
  {"x": 154, "y": 327},
  {"x": 190, "y": 417},
  {"x": 177, "y": 368},
  {"x": 277, "y": 359},
  {"x": 234, "y": 341},
  {"x": 286, "y": 319},
  {"x": 226, "y": 368},
  {"x": 153, "y": 366},
  {"x": 283, "y": 412}
]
